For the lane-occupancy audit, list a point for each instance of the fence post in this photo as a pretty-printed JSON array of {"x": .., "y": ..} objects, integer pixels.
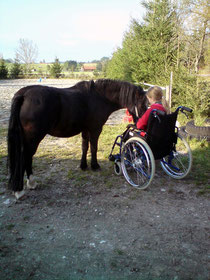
[
  {"x": 169, "y": 91},
  {"x": 168, "y": 96},
  {"x": 170, "y": 88}
]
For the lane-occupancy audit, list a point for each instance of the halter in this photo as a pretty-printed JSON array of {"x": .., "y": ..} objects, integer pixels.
[{"x": 136, "y": 111}]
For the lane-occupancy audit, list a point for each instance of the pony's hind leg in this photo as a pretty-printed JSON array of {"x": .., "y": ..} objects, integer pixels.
[
  {"x": 30, "y": 150},
  {"x": 85, "y": 146},
  {"x": 31, "y": 182},
  {"x": 19, "y": 193}
]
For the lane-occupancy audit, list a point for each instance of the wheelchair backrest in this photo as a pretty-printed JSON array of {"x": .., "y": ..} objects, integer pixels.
[{"x": 161, "y": 135}]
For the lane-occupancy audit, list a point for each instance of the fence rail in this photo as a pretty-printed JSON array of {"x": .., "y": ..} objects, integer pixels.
[{"x": 167, "y": 89}]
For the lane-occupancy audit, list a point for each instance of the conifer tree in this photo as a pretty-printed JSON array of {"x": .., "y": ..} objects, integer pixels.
[
  {"x": 149, "y": 49},
  {"x": 55, "y": 69},
  {"x": 16, "y": 70},
  {"x": 3, "y": 69}
]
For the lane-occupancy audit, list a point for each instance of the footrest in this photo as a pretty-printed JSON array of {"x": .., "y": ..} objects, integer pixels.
[
  {"x": 111, "y": 158},
  {"x": 114, "y": 157}
]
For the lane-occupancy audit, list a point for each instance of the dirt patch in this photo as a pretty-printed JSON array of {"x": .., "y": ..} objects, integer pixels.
[
  {"x": 93, "y": 225},
  {"x": 90, "y": 231}
]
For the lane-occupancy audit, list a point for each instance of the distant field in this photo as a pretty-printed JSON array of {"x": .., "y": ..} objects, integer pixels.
[{"x": 43, "y": 69}]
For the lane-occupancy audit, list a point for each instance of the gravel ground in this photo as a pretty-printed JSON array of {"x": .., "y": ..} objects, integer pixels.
[{"x": 93, "y": 226}]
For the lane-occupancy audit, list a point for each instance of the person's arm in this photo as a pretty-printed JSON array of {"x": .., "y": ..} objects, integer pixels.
[{"x": 142, "y": 122}]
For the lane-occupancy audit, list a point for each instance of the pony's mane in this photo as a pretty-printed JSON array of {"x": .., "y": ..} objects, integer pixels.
[
  {"x": 124, "y": 92},
  {"x": 86, "y": 86}
]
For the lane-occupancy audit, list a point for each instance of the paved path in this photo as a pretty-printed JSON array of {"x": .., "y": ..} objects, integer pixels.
[{"x": 9, "y": 87}]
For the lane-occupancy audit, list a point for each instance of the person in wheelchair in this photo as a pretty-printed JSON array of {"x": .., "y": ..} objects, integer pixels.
[
  {"x": 157, "y": 125},
  {"x": 153, "y": 137},
  {"x": 157, "y": 102}
]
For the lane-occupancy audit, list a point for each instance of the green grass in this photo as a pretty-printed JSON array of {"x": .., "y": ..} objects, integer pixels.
[
  {"x": 201, "y": 165},
  {"x": 65, "y": 156},
  {"x": 42, "y": 70}
]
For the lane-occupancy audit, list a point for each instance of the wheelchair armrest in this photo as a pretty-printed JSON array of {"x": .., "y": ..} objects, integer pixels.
[{"x": 131, "y": 125}]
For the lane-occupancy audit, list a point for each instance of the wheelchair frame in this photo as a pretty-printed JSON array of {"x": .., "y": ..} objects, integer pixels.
[{"x": 136, "y": 161}]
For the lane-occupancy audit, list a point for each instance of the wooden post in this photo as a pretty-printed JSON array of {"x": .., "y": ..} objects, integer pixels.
[
  {"x": 168, "y": 96},
  {"x": 169, "y": 91}
]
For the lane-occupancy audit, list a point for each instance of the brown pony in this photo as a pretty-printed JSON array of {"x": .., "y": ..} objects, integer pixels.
[{"x": 84, "y": 108}]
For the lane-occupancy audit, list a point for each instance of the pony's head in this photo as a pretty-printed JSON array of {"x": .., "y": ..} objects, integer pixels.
[
  {"x": 139, "y": 103},
  {"x": 123, "y": 95}
]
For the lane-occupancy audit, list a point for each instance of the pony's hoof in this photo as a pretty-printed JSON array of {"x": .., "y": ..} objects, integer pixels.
[
  {"x": 95, "y": 166},
  {"x": 20, "y": 194},
  {"x": 31, "y": 183},
  {"x": 83, "y": 167}
]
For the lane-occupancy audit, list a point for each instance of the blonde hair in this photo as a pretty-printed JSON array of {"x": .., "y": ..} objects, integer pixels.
[{"x": 156, "y": 94}]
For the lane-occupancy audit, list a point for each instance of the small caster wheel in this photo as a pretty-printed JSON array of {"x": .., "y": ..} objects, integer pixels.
[{"x": 117, "y": 168}]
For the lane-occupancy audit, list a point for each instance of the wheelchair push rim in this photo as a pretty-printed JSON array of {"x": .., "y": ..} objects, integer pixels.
[
  {"x": 178, "y": 163},
  {"x": 137, "y": 162}
]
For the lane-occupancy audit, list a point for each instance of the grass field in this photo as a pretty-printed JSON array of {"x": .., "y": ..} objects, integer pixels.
[
  {"x": 69, "y": 149},
  {"x": 43, "y": 70}
]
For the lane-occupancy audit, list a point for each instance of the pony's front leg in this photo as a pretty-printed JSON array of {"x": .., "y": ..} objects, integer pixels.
[
  {"x": 85, "y": 146},
  {"x": 94, "y": 149}
]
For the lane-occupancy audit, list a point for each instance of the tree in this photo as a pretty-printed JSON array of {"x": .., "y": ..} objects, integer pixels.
[
  {"x": 70, "y": 65},
  {"x": 26, "y": 53},
  {"x": 195, "y": 17},
  {"x": 161, "y": 44},
  {"x": 16, "y": 70},
  {"x": 3, "y": 69},
  {"x": 55, "y": 69},
  {"x": 99, "y": 66},
  {"x": 149, "y": 49},
  {"x": 118, "y": 66}
]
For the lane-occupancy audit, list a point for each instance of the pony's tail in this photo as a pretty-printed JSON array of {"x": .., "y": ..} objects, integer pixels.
[{"x": 15, "y": 146}]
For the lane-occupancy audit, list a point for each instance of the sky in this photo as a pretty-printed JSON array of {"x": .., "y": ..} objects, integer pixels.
[{"x": 81, "y": 30}]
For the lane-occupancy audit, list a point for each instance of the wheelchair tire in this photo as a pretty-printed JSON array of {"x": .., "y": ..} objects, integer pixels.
[
  {"x": 117, "y": 168},
  {"x": 137, "y": 162},
  {"x": 178, "y": 164}
]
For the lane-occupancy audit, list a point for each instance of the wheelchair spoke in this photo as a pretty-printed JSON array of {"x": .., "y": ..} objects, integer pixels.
[
  {"x": 179, "y": 162},
  {"x": 137, "y": 165}
]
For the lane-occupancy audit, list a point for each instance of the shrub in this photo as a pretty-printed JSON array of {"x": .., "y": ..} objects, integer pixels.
[
  {"x": 3, "y": 70},
  {"x": 55, "y": 69},
  {"x": 189, "y": 91},
  {"x": 16, "y": 70}
]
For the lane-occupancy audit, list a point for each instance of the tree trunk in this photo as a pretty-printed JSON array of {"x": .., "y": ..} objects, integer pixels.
[{"x": 198, "y": 56}]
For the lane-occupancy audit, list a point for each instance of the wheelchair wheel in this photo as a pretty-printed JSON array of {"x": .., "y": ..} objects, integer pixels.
[
  {"x": 117, "y": 168},
  {"x": 178, "y": 164},
  {"x": 137, "y": 162}
]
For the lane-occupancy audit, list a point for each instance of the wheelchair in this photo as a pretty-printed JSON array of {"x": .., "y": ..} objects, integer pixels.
[{"x": 139, "y": 150}]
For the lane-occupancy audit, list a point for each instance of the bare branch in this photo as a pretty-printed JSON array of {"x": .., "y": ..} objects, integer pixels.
[{"x": 27, "y": 51}]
